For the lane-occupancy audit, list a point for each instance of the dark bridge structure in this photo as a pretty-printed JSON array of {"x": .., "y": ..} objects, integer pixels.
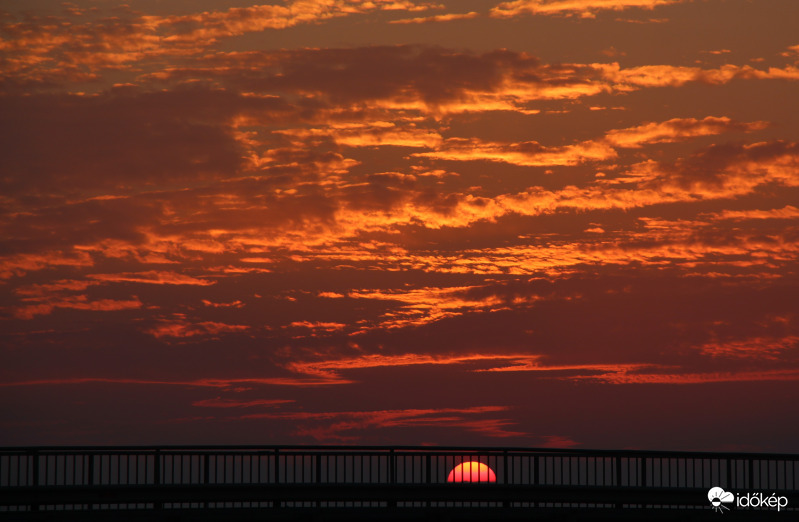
[{"x": 384, "y": 483}]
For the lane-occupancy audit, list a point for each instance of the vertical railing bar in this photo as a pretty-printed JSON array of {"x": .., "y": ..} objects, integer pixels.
[
  {"x": 392, "y": 467},
  {"x": 643, "y": 472},
  {"x": 277, "y": 466},
  {"x": 505, "y": 466},
  {"x": 784, "y": 474},
  {"x": 729, "y": 473},
  {"x": 35, "y": 461}
]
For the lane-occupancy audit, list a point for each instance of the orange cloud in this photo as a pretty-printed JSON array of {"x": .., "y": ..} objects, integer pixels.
[
  {"x": 437, "y": 18},
  {"x": 770, "y": 348},
  {"x": 535, "y": 155},
  {"x": 20, "y": 264},
  {"x": 48, "y": 289},
  {"x": 152, "y": 277},
  {"x": 369, "y": 134},
  {"x": 786, "y": 212},
  {"x": 36, "y": 44},
  {"x": 45, "y": 306},
  {"x": 235, "y": 304},
  {"x": 648, "y": 76},
  {"x": 318, "y": 327},
  {"x": 532, "y": 365},
  {"x": 583, "y": 8},
  {"x": 181, "y": 328},
  {"x": 752, "y": 250},
  {"x": 694, "y": 378},
  {"x": 437, "y": 82},
  {"x": 427, "y": 305},
  {"x": 331, "y": 295},
  {"x": 330, "y": 369},
  {"x": 677, "y": 129},
  {"x": 718, "y": 172},
  {"x": 198, "y": 383},
  {"x": 209, "y": 26},
  {"x": 526, "y": 154},
  {"x": 316, "y": 222}
]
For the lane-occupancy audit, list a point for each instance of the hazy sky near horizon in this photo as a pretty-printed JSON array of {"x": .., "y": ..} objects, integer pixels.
[{"x": 563, "y": 223}]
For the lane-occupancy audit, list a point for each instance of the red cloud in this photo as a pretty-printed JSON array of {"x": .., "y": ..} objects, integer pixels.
[
  {"x": 230, "y": 403},
  {"x": 352, "y": 421}
]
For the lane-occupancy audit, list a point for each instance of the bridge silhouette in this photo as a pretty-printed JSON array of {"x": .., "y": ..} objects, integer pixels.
[{"x": 234, "y": 483}]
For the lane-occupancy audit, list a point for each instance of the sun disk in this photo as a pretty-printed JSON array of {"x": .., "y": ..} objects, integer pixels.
[{"x": 472, "y": 472}]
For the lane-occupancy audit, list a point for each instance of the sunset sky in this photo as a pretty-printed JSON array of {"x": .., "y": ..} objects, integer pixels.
[{"x": 558, "y": 223}]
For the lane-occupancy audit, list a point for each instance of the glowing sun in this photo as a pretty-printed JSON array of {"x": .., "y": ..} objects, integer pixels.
[{"x": 472, "y": 472}]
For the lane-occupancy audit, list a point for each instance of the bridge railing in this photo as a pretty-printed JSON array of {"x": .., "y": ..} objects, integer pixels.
[{"x": 97, "y": 466}]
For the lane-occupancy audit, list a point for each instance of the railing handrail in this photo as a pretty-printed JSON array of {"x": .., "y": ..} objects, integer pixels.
[{"x": 398, "y": 450}]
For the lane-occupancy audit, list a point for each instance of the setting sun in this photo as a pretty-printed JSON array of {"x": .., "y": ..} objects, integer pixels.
[{"x": 472, "y": 472}]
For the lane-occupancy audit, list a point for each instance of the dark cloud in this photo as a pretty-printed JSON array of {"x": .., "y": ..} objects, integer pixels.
[{"x": 122, "y": 140}]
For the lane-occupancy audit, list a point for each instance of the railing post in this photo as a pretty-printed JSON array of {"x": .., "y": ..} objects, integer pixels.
[
  {"x": 157, "y": 467},
  {"x": 392, "y": 470},
  {"x": 157, "y": 475},
  {"x": 536, "y": 465},
  {"x": 643, "y": 475},
  {"x": 428, "y": 465},
  {"x": 729, "y": 473},
  {"x": 90, "y": 477},
  {"x": 618, "y": 478},
  {"x": 392, "y": 475},
  {"x": 277, "y": 503},
  {"x": 207, "y": 472},
  {"x": 505, "y": 474},
  {"x": 643, "y": 471},
  {"x": 428, "y": 471},
  {"x": 90, "y": 470},
  {"x": 35, "y": 460}
]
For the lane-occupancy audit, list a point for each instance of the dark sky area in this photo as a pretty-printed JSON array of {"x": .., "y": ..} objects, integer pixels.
[{"x": 558, "y": 223}]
